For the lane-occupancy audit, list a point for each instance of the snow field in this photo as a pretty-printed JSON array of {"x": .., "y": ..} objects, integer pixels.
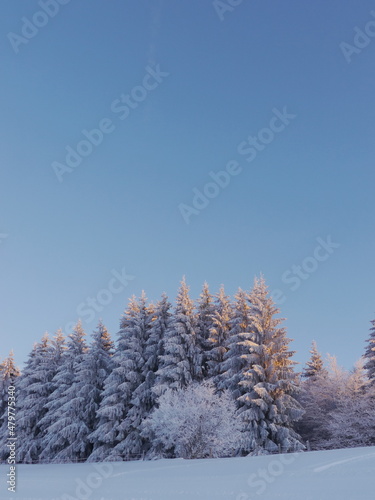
[{"x": 346, "y": 474}]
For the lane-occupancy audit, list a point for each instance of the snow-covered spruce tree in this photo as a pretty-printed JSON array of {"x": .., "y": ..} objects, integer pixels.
[
  {"x": 313, "y": 374},
  {"x": 94, "y": 370},
  {"x": 268, "y": 406},
  {"x": 8, "y": 373},
  {"x": 125, "y": 377},
  {"x": 219, "y": 334},
  {"x": 155, "y": 342},
  {"x": 370, "y": 355},
  {"x": 8, "y": 376},
  {"x": 58, "y": 433},
  {"x": 205, "y": 312},
  {"x": 33, "y": 388},
  {"x": 58, "y": 347},
  {"x": 181, "y": 361},
  {"x": 235, "y": 364},
  {"x": 315, "y": 366},
  {"x": 320, "y": 396},
  {"x": 195, "y": 422},
  {"x": 144, "y": 398},
  {"x": 136, "y": 393},
  {"x": 78, "y": 414}
]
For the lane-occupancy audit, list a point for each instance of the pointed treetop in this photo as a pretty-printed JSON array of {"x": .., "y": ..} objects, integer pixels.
[
  {"x": 102, "y": 337},
  {"x": 184, "y": 304},
  {"x": 76, "y": 339},
  {"x": 8, "y": 368},
  {"x": 59, "y": 335},
  {"x": 129, "y": 312},
  {"x": 315, "y": 366},
  {"x": 260, "y": 288},
  {"x": 45, "y": 339}
]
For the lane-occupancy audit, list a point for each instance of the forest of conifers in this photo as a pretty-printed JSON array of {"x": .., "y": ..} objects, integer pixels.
[{"x": 213, "y": 377}]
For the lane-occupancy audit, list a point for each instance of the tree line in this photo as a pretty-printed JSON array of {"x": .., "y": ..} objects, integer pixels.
[{"x": 213, "y": 377}]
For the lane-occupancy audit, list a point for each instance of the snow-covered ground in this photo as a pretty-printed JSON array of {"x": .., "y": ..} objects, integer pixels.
[{"x": 335, "y": 475}]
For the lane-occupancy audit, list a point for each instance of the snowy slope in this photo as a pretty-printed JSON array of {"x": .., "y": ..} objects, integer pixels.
[{"x": 335, "y": 475}]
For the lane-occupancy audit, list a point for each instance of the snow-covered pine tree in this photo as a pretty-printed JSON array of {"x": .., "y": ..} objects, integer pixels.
[
  {"x": 155, "y": 341},
  {"x": 136, "y": 394},
  {"x": 144, "y": 398},
  {"x": 8, "y": 373},
  {"x": 370, "y": 355},
  {"x": 181, "y": 361},
  {"x": 219, "y": 334},
  {"x": 58, "y": 344},
  {"x": 33, "y": 388},
  {"x": 58, "y": 347},
  {"x": 205, "y": 312},
  {"x": 94, "y": 370},
  {"x": 121, "y": 382},
  {"x": 315, "y": 366},
  {"x": 8, "y": 376},
  {"x": 58, "y": 435},
  {"x": 310, "y": 427},
  {"x": 320, "y": 397},
  {"x": 268, "y": 406},
  {"x": 83, "y": 397},
  {"x": 235, "y": 364}
]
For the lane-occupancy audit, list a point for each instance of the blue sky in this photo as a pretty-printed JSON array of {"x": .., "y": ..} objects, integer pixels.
[{"x": 119, "y": 210}]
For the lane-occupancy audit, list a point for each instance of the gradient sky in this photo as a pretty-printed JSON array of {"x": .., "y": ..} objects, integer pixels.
[{"x": 119, "y": 209}]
